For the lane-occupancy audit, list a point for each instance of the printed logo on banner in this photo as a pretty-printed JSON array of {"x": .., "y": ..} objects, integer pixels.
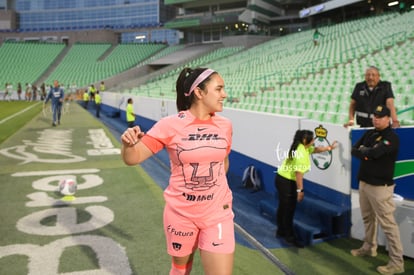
[{"x": 322, "y": 160}]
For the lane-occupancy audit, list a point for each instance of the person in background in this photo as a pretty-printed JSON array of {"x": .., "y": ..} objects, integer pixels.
[
  {"x": 56, "y": 95},
  {"x": 28, "y": 94},
  {"x": 198, "y": 198},
  {"x": 401, "y": 7},
  {"x": 8, "y": 90},
  {"x": 19, "y": 91},
  {"x": 130, "y": 115},
  {"x": 34, "y": 92},
  {"x": 98, "y": 101},
  {"x": 73, "y": 89},
  {"x": 85, "y": 99},
  {"x": 102, "y": 86},
  {"x": 289, "y": 182},
  {"x": 377, "y": 149},
  {"x": 316, "y": 36},
  {"x": 92, "y": 92},
  {"x": 369, "y": 94},
  {"x": 43, "y": 92}
]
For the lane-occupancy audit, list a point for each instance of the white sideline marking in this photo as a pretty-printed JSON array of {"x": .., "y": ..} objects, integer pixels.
[
  {"x": 249, "y": 238},
  {"x": 16, "y": 114},
  {"x": 55, "y": 172}
]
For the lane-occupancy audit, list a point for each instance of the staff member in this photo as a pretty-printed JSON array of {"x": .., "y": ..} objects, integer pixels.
[
  {"x": 85, "y": 99},
  {"x": 98, "y": 101},
  {"x": 378, "y": 149},
  {"x": 369, "y": 94},
  {"x": 130, "y": 114},
  {"x": 289, "y": 182}
]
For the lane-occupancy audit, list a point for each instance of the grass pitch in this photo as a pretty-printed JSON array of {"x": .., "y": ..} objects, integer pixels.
[{"x": 15, "y": 114}]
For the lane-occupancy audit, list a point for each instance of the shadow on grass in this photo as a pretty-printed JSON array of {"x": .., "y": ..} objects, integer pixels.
[{"x": 334, "y": 257}]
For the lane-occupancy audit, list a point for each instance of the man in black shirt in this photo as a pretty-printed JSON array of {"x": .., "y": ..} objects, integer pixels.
[
  {"x": 377, "y": 149},
  {"x": 369, "y": 94}
]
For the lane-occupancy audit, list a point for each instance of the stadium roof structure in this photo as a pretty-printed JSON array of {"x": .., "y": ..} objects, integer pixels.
[{"x": 266, "y": 16}]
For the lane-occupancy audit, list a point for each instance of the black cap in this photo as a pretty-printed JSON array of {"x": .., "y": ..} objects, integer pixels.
[{"x": 381, "y": 111}]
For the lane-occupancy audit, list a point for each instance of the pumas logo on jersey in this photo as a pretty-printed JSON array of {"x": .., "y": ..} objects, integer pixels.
[{"x": 202, "y": 177}]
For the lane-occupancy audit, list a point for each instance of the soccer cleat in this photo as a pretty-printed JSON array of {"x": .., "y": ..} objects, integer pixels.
[
  {"x": 360, "y": 252},
  {"x": 54, "y": 124},
  {"x": 390, "y": 269}
]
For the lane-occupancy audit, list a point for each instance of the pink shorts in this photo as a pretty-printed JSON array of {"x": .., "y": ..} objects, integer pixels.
[{"x": 184, "y": 236}]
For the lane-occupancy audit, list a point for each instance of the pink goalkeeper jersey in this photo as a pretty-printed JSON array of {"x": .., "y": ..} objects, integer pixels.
[{"x": 197, "y": 148}]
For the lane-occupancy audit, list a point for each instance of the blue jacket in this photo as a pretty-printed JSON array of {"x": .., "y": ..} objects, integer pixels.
[{"x": 56, "y": 94}]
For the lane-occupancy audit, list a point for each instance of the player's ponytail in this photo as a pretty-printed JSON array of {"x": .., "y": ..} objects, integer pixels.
[
  {"x": 299, "y": 137},
  {"x": 295, "y": 143}
]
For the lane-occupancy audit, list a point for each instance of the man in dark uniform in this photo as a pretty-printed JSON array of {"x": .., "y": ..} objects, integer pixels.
[
  {"x": 369, "y": 94},
  {"x": 377, "y": 149}
]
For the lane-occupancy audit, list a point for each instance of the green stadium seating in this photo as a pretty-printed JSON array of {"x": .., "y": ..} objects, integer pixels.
[
  {"x": 286, "y": 75},
  {"x": 25, "y": 62}
]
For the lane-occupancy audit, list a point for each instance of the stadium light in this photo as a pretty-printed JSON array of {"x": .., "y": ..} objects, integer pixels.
[
  {"x": 390, "y": 4},
  {"x": 326, "y": 6},
  {"x": 140, "y": 38}
]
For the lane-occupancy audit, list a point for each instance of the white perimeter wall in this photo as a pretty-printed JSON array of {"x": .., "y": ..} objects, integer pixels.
[
  {"x": 267, "y": 137},
  {"x": 262, "y": 136}
]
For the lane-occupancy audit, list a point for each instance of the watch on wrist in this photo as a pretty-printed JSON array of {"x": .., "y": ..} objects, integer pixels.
[{"x": 299, "y": 190}]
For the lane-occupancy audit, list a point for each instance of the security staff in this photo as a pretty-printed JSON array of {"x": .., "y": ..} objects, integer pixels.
[
  {"x": 98, "y": 101},
  {"x": 377, "y": 149},
  {"x": 369, "y": 94},
  {"x": 85, "y": 99}
]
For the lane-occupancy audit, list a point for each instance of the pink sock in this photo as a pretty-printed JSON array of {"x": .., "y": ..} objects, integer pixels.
[{"x": 181, "y": 269}]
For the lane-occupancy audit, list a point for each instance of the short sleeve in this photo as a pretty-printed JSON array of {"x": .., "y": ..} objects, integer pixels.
[
  {"x": 159, "y": 135},
  {"x": 301, "y": 159}
]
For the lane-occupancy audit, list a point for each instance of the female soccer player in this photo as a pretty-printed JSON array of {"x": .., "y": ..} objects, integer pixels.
[{"x": 198, "y": 212}]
